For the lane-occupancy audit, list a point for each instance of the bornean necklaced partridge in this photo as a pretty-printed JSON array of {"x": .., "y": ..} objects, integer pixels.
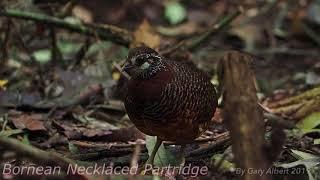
[{"x": 170, "y": 99}]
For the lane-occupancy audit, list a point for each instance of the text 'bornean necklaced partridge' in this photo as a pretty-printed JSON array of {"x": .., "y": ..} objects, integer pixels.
[{"x": 170, "y": 99}]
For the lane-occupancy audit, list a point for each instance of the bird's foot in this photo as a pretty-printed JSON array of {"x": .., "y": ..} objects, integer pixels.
[{"x": 147, "y": 166}]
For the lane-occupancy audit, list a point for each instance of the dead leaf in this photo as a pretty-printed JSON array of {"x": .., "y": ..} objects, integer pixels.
[
  {"x": 185, "y": 29},
  {"x": 251, "y": 34},
  {"x": 29, "y": 122},
  {"x": 15, "y": 99},
  {"x": 145, "y": 34},
  {"x": 217, "y": 116},
  {"x": 91, "y": 133},
  {"x": 82, "y": 13},
  {"x": 3, "y": 83},
  {"x": 70, "y": 130},
  {"x": 56, "y": 139},
  {"x": 125, "y": 134},
  {"x": 76, "y": 132}
]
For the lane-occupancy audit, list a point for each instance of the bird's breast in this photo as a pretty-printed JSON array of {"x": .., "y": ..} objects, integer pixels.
[{"x": 148, "y": 89}]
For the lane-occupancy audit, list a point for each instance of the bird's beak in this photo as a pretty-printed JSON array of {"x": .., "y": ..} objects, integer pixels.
[
  {"x": 126, "y": 67},
  {"x": 124, "y": 70}
]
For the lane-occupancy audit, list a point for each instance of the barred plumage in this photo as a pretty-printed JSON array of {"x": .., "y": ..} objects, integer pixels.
[{"x": 170, "y": 99}]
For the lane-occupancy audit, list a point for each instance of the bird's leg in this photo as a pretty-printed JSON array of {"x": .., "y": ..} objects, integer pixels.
[
  {"x": 150, "y": 160},
  {"x": 181, "y": 158},
  {"x": 154, "y": 152}
]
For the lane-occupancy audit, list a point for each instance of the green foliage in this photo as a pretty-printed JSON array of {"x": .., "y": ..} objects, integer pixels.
[
  {"x": 223, "y": 163},
  {"x": 294, "y": 133},
  {"x": 163, "y": 156},
  {"x": 175, "y": 12},
  {"x": 8, "y": 133},
  {"x": 73, "y": 20},
  {"x": 302, "y": 155},
  {"x": 309, "y": 161},
  {"x": 310, "y": 122},
  {"x": 316, "y": 141},
  {"x": 98, "y": 47},
  {"x": 25, "y": 139},
  {"x": 68, "y": 47},
  {"x": 42, "y": 56},
  {"x": 73, "y": 148},
  {"x": 305, "y": 131}
]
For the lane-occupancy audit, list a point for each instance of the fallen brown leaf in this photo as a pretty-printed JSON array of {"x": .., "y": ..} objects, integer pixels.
[
  {"x": 75, "y": 132},
  {"x": 145, "y": 34},
  {"x": 181, "y": 30},
  {"x": 29, "y": 122}
]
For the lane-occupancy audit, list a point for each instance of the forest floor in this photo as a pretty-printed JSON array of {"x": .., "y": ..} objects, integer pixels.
[{"x": 61, "y": 92}]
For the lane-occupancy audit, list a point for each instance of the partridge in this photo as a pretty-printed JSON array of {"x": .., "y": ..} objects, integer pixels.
[{"x": 167, "y": 98}]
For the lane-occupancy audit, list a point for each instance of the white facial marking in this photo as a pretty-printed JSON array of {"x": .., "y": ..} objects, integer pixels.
[
  {"x": 133, "y": 60},
  {"x": 145, "y": 65}
]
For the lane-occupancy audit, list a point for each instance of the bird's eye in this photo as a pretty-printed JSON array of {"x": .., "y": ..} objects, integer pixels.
[{"x": 139, "y": 61}]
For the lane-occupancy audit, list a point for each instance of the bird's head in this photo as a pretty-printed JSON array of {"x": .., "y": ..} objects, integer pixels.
[{"x": 143, "y": 63}]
